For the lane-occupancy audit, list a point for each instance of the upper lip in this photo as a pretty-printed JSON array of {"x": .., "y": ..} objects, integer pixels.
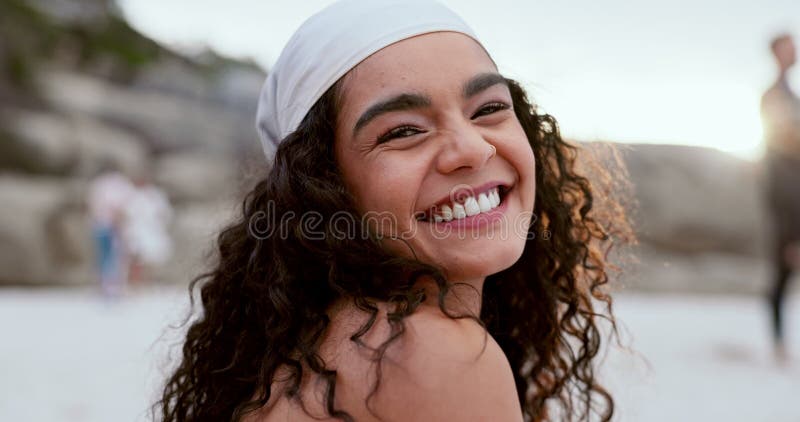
[{"x": 463, "y": 191}]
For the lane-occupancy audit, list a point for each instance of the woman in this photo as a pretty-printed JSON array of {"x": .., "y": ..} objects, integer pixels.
[{"x": 422, "y": 248}]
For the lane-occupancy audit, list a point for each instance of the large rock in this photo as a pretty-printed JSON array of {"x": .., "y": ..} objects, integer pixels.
[
  {"x": 37, "y": 143},
  {"x": 233, "y": 85},
  {"x": 166, "y": 122},
  {"x": 194, "y": 232},
  {"x": 43, "y": 142},
  {"x": 701, "y": 221},
  {"x": 44, "y": 235},
  {"x": 697, "y": 200},
  {"x": 197, "y": 176}
]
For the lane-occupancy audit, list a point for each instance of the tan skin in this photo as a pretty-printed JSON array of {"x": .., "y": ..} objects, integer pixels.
[
  {"x": 440, "y": 369},
  {"x": 785, "y": 54}
]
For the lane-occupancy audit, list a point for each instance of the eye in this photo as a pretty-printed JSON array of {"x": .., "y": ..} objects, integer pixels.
[
  {"x": 491, "y": 108},
  {"x": 398, "y": 132}
]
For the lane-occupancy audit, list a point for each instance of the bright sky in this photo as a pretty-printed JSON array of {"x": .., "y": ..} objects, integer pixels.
[{"x": 677, "y": 71}]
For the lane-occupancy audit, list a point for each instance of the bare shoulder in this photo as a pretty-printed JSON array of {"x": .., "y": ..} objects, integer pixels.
[
  {"x": 439, "y": 369},
  {"x": 446, "y": 369}
]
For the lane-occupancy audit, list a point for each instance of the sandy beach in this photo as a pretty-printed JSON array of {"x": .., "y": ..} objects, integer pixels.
[{"x": 68, "y": 355}]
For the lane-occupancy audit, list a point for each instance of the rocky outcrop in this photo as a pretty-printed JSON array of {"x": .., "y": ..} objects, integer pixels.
[
  {"x": 44, "y": 234},
  {"x": 62, "y": 143},
  {"x": 87, "y": 92},
  {"x": 696, "y": 200},
  {"x": 165, "y": 121},
  {"x": 194, "y": 232},
  {"x": 194, "y": 176},
  {"x": 700, "y": 219}
]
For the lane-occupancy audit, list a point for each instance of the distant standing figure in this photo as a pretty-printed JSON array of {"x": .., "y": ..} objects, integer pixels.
[
  {"x": 780, "y": 110},
  {"x": 108, "y": 197},
  {"x": 147, "y": 215}
]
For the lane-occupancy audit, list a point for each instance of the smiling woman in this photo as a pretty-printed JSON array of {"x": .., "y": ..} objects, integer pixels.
[
  {"x": 443, "y": 132},
  {"x": 466, "y": 283}
]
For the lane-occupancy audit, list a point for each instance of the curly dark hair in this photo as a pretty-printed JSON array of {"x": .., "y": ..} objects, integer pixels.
[{"x": 264, "y": 303}]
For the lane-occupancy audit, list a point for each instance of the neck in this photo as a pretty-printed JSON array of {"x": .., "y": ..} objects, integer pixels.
[
  {"x": 463, "y": 297},
  {"x": 783, "y": 71}
]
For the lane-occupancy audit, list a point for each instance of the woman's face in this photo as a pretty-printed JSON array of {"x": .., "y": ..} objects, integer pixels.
[{"x": 416, "y": 136}]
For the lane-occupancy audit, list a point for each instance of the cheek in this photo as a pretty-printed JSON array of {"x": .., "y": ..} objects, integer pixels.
[
  {"x": 387, "y": 184},
  {"x": 520, "y": 152},
  {"x": 386, "y": 192},
  {"x": 521, "y": 157}
]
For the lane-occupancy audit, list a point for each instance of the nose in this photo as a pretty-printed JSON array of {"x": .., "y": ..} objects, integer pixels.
[{"x": 463, "y": 147}]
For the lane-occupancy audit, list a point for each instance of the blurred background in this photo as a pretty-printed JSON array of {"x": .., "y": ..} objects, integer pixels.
[{"x": 157, "y": 100}]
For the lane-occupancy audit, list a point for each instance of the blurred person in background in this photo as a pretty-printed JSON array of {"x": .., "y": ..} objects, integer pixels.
[
  {"x": 147, "y": 214},
  {"x": 780, "y": 110},
  {"x": 109, "y": 193}
]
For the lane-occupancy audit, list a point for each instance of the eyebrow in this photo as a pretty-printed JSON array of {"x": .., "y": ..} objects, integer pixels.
[{"x": 410, "y": 101}]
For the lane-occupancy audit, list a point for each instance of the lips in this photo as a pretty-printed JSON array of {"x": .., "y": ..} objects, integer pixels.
[{"x": 465, "y": 202}]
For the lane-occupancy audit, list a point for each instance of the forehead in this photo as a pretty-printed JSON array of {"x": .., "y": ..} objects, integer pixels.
[{"x": 424, "y": 63}]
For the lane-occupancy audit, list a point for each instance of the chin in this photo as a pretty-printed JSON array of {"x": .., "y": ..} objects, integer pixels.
[{"x": 481, "y": 258}]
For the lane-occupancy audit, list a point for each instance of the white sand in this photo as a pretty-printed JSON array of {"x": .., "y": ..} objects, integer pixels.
[{"x": 66, "y": 355}]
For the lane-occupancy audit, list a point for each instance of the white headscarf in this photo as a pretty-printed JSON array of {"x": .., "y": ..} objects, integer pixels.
[{"x": 328, "y": 45}]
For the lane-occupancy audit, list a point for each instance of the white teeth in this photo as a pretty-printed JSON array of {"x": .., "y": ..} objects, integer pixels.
[
  {"x": 459, "y": 212},
  {"x": 447, "y": 213},
  {"x": 495, "y": 197},
  {"x": 471, "y": 206},
  {"x": 484, "y": 203}
]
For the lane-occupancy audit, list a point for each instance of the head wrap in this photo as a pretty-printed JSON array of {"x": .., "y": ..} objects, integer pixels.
[{"x": 330, "y": 43}]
